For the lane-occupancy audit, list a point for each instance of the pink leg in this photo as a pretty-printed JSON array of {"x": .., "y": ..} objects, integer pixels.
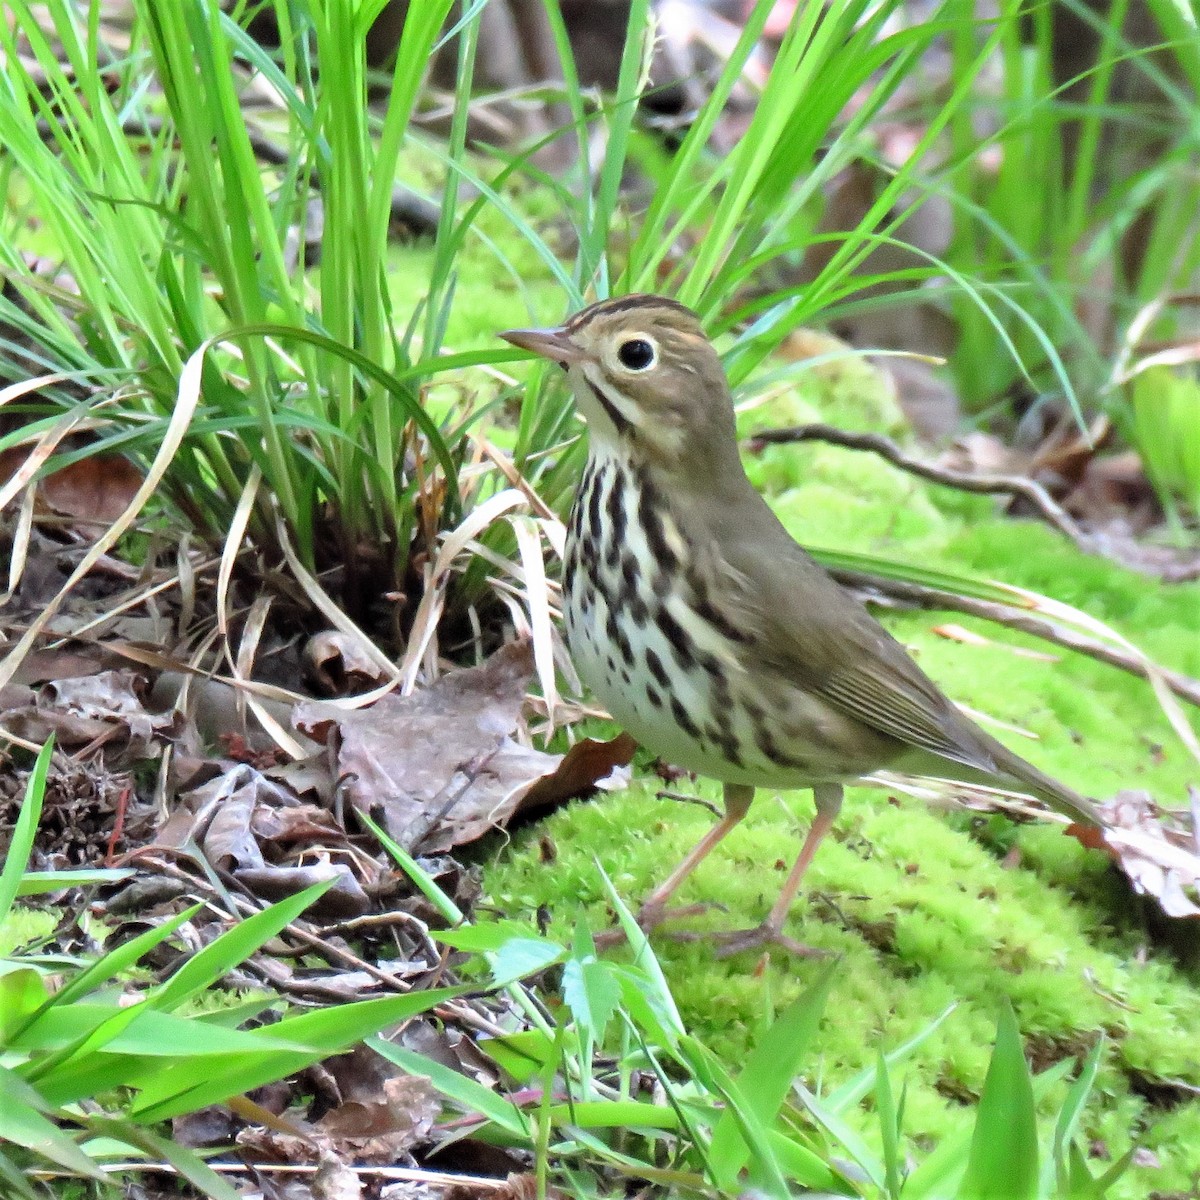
[
  {"x": 828, "y": 798},
  {"x": 737, "y": 803}
]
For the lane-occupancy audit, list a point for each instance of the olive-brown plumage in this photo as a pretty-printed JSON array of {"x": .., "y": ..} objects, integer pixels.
[{"x": 714, "y": 638}]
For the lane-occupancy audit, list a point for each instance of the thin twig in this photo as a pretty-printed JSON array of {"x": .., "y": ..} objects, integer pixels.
[
  {"x": 966, "y": 481},
  {"x": 683, "y": 798},
  {"x": 923, "y": 596},
  {"x": 402, "y": 1174},
  {"x": 338, "y": 957}
]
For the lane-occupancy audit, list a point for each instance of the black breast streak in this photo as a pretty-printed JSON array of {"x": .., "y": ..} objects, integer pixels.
[
  {"x": 719, "y": 729},
  {"x": 615, "y": 510},
  {"x": 650, "y": 509},
  {"x": 765, "y": 741},
  {"x": 719, "y": 732},
  {"x": 635, "y": 602},
  {"x": 593, "y": 501},
  {"x": 616, "y": 635},
  {"x": 614, "y": 413},
  {"x": 655, "y": 666},
  {"x": 684, "y": 649},
  {"x": 684, "y": 719},
  {"x": 709, "y": 612}
]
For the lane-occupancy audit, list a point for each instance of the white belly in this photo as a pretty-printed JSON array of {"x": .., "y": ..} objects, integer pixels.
[{"x": 684, "y": 697}]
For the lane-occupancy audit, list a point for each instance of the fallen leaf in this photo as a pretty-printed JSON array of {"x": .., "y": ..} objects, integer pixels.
[
  {"x": 40, "y": 666},
  {"x": 928, "y": 399},
  {"x": 441, "y": 766},
  {"x": 585, "y": 766},
  {"x": 229, "y": 804},
  {"x": 339, "y": 664},
  {"x": 343, "y": 900},
  {"x": 94, "y": 491},
  {"x": 113, "y": 698},
  {"x": 253, "y": 826},
  {"x": 335, "y": 1180},
  {"x": 1158, "y": 851},
  {"x": 213, "y": 1126},
  {"x": 381, "y": 1126}
]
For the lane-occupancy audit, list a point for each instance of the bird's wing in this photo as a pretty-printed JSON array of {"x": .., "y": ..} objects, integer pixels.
[
  {"x": 811, "y": 630},
  {"x": 897, "y": 699}
]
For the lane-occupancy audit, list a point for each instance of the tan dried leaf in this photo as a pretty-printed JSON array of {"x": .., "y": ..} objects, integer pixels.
[
  {"x": 340, "y": 664},
  {"x": 1158, "y": 851},
  {"x": 441, "y": 765}
]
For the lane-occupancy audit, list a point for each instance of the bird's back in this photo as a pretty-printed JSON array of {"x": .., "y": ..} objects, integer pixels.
[{"x": 815, "y": 648}]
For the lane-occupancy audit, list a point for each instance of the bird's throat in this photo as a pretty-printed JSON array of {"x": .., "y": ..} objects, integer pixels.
[{"x": 620, "y": 422}]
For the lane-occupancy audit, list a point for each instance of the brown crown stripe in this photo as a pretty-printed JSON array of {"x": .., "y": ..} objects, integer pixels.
[{"x": 620, "y": 304}]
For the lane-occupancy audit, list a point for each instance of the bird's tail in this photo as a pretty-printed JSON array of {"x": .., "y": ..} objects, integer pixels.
[{"x": 1027, "y": 778}]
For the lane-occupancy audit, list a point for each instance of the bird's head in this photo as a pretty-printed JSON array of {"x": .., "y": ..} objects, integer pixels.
[{"x": 645, "y": 376}]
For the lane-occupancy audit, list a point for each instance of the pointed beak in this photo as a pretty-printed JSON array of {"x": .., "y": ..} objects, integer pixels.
[{"x": 553, "y": 344}]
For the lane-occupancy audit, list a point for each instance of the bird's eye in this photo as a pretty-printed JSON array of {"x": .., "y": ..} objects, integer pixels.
[{"x": 637, "y": 354}]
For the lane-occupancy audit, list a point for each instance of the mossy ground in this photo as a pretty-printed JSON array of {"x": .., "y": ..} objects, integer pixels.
[{"x": 922, "y": 907}]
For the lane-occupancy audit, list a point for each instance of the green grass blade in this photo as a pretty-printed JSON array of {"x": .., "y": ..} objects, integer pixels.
[
  {"x": 461, "y": 1090},
  {"x": 766, "y": 1079},
  {"x": 233, "y": 946},
  {"x": 25, "y": 830},
  {"x": 25, "y": 1125},
  {"x": 1003, "y": 1163},
  {"x": 325, "y": 1032}
]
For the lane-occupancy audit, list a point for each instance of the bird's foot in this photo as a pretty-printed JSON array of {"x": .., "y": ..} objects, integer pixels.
[
  {"x": 736, "y": 940},
  {"x": 650, "y": 917}
]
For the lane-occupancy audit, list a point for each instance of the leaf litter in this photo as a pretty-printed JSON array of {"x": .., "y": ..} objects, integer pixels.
[
  {"x": 439, "y": 768},
  {"x": 230, "y": 821}
]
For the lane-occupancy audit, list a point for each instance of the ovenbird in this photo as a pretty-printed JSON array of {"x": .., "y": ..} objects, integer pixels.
[{"x": 707, "y": 631}]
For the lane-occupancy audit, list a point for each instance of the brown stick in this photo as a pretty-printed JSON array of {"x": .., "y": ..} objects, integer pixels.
[
  {"x": 966, "y": 481},
  {"x": 922, "y": 596}
]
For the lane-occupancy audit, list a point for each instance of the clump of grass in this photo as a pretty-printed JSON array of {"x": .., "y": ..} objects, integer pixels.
[
  {"x": 88, "y": 1071},
  {"x": 573, "y": 1090},
  {"x": 141, "y": 177},
  {"x": 1074, "y": 197}
]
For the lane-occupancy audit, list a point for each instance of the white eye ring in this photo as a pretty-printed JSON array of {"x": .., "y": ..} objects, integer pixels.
[{"x": 637, "y": 354}]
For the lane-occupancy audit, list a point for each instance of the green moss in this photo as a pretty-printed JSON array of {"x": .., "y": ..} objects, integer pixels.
[
  {"x": 24, "y": 926},
  {"x": 919, "y": 905}
]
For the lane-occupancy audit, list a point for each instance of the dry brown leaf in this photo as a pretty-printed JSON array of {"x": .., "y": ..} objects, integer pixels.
[
  {"x": 339, "y": 665},
  {"x": 296, "y": 824},
  {"x": 41, "y": 666},
  {"x": 343, "y": 900},
  {"x": 440, "y": 765},
  {"x": 102, "y": 707},
  {"x": 213, "y": 1126},
  {"x": 229, "y": 802},
  {"x": 524, "y": 1186},
  {"x": 448, "y": 1045},
  {"x": 253, "y": 826},
  {"x": 1158, "y": 851},
  {"x": 113, "y": 696},
  {"x": 583, "y": 767},
  {"x": 928, "y": 399},
  {"x": 335, "y": 1180},
  {"x": 35, "y": 725},
  {"x": 93, "y": 491},
  {"x": 382, "y": 1126}
]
